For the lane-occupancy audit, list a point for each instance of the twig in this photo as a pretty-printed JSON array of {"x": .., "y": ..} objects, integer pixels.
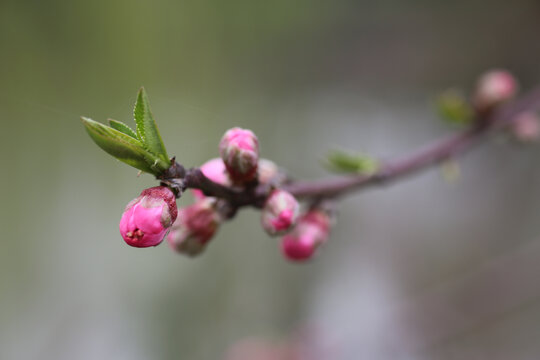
[{"x": 441, "y": 150}]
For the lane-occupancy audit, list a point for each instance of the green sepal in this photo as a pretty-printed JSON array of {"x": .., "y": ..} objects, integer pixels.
[
  {"x": 124, "y": 147},
  {"x": 341, "y": 161},
  {"x": 123, "y": 128},
  {"x": 147, "y": 130},
  {"x": 454, "y": 108}
]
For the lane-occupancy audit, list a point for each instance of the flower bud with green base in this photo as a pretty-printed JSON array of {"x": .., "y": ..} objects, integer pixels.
[
  {"x": 279, "y": 212},
  {"x": 310, "y": 232},
  {"x": 195, "y": 227},
  {"x": 239, "y": 149},
  {"x": 215, "y": 170},
  {"x": 494, "y": 88},
  {"x": 147, "y": 218}
]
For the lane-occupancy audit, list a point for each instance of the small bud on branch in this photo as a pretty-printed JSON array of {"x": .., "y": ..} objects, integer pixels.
[
  {"x": 146, "y": 219},
  {"x": 494, "y": 88},
  {"x": 279, "y": 212},
  {"x": 311, "y": 232},
  {"x": 239, "y": 149},
  {"x": 195, "y": 227}
]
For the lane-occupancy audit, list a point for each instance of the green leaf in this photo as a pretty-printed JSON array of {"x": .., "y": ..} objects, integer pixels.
[
  {"x": 342, "y": 161},
  {"x": 147, "y": 130},
  {"x": 123, "y": 147},
  {"x": 123, "y": 128},
  {"x": 454, "y": 108}
]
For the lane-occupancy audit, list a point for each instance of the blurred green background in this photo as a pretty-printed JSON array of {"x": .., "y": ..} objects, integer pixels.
[{"x": 420, "y": 270}]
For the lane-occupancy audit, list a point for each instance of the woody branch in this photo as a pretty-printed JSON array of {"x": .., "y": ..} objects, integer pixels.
[{"x": 422, "y": 159}]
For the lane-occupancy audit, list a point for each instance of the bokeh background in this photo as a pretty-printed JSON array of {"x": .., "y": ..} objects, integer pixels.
[{"x": 424, "y": 269}]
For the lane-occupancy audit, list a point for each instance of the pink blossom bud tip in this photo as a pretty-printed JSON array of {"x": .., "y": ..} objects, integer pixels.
[
  {"x": 239, "y": 149},
  {"x": 279, "y": 212},
  {"x": 494, "y": 88},
  {"x": 310, "y": 232}
]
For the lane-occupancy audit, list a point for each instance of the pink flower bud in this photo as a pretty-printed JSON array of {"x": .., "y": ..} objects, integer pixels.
[
  {"x": 494, "y": 88},
  {"x": 268, "y": 171},
  {"x": 239, "y": 150},
  {"x": 310, "y": 232},
  {"x": 195, "y": 227},
  {"x": 526, "y": 127},
  {"x": 213, "y": 169},
  {"x": 146, "y": 219},
  {"x": 279, "y": 212}
]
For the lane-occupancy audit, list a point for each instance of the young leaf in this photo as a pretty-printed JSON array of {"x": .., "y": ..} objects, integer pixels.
[
  {"x": 120, "y": 126},
  {"x": 147, "y": 130},
  {"x": 454, "y": 108},
  {"x": 124, "y": 147},
  {"x": 342, "y": 161}
]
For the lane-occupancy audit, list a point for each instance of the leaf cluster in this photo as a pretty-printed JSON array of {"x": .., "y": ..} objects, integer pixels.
[{"x": 141, "y": 148}]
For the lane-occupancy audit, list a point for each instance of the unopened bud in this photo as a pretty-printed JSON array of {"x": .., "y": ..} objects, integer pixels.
[
  {"x": 526, "y": 127},
  {"x": 195, "y": 227},
  {"x": 213, "y": 169},
  {"x": 494, "y": 88},
  {"x": 147, "y": 218},
  {"x": 311, "y": 231},
  {"x": 279, "y": 213},
  {"x": 268, "y": 171},
  {"x": 239, "y": 149}
]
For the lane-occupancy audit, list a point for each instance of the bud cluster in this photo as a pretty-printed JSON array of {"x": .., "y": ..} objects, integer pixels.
[
  {"x": 496, "y": 87},
  {"x": 493, "y": 88},
  {"x": 154, "y": 216}
]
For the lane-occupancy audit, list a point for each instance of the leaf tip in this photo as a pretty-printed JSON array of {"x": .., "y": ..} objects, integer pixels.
[{"x": 87, "y": 122}]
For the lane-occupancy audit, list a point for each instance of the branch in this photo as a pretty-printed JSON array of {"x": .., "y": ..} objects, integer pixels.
[
  {"x": 424, "y": 158},
  {"x": 392, "y": 170},
  {"x": 180, "y": 179}
]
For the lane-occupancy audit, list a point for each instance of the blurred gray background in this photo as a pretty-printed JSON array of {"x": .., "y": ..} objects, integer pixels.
[{"x": 423, "y": 269}]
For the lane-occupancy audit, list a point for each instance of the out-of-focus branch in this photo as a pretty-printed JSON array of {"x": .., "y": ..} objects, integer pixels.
[{"x": 441, "y": 150}]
